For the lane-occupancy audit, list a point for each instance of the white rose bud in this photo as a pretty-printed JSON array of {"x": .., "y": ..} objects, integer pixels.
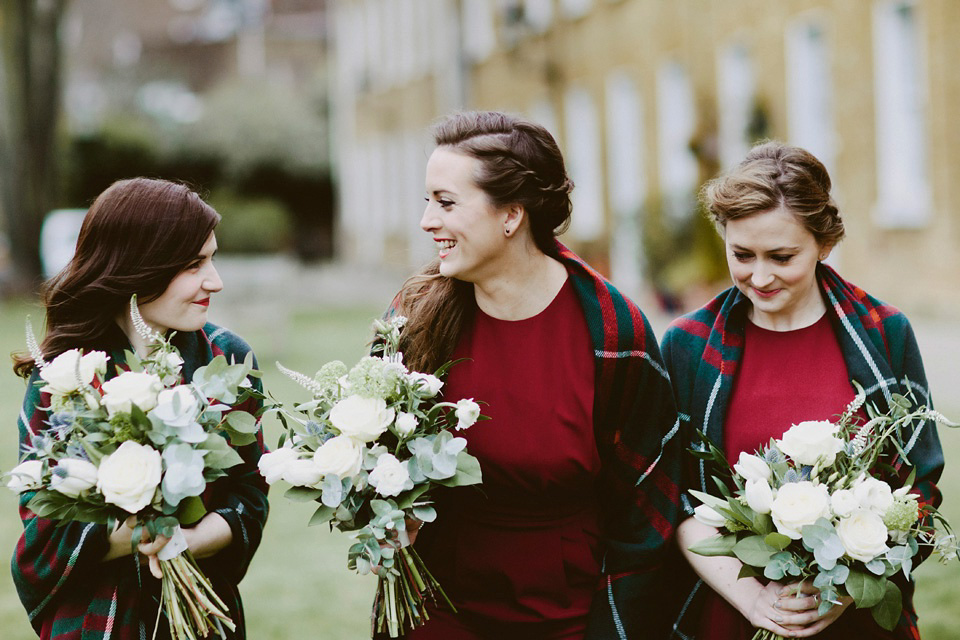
[
  {"x": 708, "y": 515},
  {"x": 467, "y": 413},
  {"x": 364, "y": 419},
  {"x": 131, "y": 388},
  {"x": 390, "y": 476},
  {"x": 843, "y": 503},
  {"x": 25, "y": 476},
  {"x": 863, "y": 534},
  {"x": 129, "y": 476},
  {"x": 873, "y": 495},
  {"x": 752, "y": 467},
  {"x": 171, "y": 363},
  {"x": 429, "y": 385},
  {"x": 302, "y": 473},
  {"x": 341, "y": 456},
  {"x": 61, "y": 374},
  {"x": 406, "y": 424},
  {"x": 759, "y": 495},
  {"x": 73, "y": 476},
  {"x": 273, "y": 464},
  {"x": 798, "y": 504},
  {"x": 810, "y": 441}
]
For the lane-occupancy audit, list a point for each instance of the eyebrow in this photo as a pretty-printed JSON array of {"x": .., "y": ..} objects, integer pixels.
[{"x": 738, "y": 247}]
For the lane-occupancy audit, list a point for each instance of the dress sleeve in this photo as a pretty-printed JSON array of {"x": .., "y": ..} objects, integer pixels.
[
  {"x": 49, "y": 555},
  {"x": 241, "y": 499}
]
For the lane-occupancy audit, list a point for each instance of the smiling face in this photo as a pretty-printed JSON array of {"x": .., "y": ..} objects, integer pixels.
[
  {"x": 467, "y": 228},
  {"x": 772, "y": 259},
  {"x": 184, "y": 303}
]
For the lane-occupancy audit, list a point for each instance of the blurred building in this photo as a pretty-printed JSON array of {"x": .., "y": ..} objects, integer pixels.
[{"x": 649, "y": 98}]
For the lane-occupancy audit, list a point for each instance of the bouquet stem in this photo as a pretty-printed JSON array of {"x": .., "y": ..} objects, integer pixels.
[
  {"x": 192, "y": 607},
  {"x": 766, "y": 634},
  {"x": 402, "y": 596}
]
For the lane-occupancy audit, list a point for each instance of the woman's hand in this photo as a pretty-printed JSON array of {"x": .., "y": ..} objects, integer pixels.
[
  {"x": 791, "y": 610},
  {"x": 207, "y": 537}
]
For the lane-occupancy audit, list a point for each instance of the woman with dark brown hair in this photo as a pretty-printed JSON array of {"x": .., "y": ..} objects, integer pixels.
[
  {"x": 155, "y": 239},
  {"x": 779, "y": 347},
  {"x": 580, "y": 466}
]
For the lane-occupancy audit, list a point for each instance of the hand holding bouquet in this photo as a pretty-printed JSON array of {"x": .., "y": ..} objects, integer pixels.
[
  {"x": 825, "y": 503},
  {"x": 369, "y": 446},
  {"x": 143, "y": 446}
]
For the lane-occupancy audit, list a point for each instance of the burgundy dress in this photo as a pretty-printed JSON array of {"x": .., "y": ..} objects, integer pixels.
[
  {"x": 785, "y": 377},
  {"x": 520, "y": 554}
]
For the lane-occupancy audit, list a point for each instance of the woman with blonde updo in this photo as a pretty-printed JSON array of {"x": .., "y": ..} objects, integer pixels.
[
  {"x": 580, "y": 469},
  {"x": 781, "y": 346}
]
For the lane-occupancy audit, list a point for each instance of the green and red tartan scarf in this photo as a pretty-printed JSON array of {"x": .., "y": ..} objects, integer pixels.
[
  {"x": 702, "y": 351},
  {"x": 69, "y": 593}
]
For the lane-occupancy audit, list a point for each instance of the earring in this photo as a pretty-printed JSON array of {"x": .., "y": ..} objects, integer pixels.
[{"x": 506, "y": 232}]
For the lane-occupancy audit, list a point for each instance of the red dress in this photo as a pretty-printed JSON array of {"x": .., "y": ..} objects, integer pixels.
[
  {"x": 520, "y": 554},
  {"x": 785, "y": 377}
]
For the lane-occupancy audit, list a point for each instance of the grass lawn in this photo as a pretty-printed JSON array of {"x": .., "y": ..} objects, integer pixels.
[{"x": 298, "y": 584}]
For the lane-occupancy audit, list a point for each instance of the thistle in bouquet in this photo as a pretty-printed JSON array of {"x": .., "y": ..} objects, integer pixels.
[
  {"x": 829, "y": 502},
  {"x": 369, "y": 446},
  {"x": 140, "y": 447}
]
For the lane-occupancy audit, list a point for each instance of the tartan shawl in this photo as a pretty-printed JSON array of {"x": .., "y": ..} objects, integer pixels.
[
  {"x": 636, "y": 427},
  {"x": 69, "y": 593},
  {"x": 702, "y": 350}
]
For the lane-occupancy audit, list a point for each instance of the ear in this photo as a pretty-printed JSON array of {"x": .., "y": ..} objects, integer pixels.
[
  {"x": 825, "y": 250},
  {"x": 513, "y": 217}
]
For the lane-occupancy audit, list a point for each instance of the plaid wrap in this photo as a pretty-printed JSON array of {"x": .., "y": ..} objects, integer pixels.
[
  {"x": 702, "y": 350},
  {"x": 69, "y": 593}
]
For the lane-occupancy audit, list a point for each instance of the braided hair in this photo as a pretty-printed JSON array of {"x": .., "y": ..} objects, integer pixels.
[
  {"x": 772, "y": 176},
  {"x": 519, "y": 163}
]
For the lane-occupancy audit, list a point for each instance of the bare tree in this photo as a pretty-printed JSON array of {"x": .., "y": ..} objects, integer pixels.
[{"x": 29, "y": 115}]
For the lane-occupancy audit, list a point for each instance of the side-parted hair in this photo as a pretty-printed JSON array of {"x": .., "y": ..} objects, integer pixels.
[
  {"x": 519, "y": 163},
  {"x": 137, "y": 236},
  {"x": 773, "y": 176}
]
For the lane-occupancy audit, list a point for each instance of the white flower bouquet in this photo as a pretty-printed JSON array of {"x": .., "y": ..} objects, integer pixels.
[
  {"x": 369, "y": 446},
  {"x": 141, "y": 444},
  {"x": 824, "y": 503}
]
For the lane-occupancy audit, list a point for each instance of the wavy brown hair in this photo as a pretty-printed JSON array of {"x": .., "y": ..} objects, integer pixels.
[
  {"x": 519, "y": 163},
  {"x": 136, "y": 237},
  {"x": 775, "y": 175}
]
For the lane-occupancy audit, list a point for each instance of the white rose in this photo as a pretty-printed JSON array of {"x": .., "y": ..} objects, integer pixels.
[
  {"x": 273, "y": 464},
  {"x": 759, "y": 495},
  {"x": 341, "y": 456},
  {"x": 302, "y": 473},
  {"x": 61, "y": 374},
  {"x": 179, "y": 408},
  {"x": 843, "y": 502},
  {"x": 129, "y": 476},
  {"x": 362, "y": 418},
  {"x": 809, "y": 441},
  {"x": 467, "y": 413},
  {"x": 863, "y": 534},
  {"x": 406, "y": 424},
  {"x": 708, "y": 515},
  {"x": 26, "y": 476},
  {"x": 752, "y": 467},
  {"x": 131, "y": 388},
  {"x": 873, "y": 495},
  {"x": 170, "y": 363},
  {"x": 798, "y": 504},
  {"x": 73, "y": 476},
  {"x": 429, "y": 385},
  {"x": 390, "y": 476}
]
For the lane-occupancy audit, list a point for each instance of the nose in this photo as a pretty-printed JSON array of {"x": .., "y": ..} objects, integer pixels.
[
  {"x": 212, "y": 282},
  {"x": 429, "y": 221},
  {"x": 761, "y": 276}
]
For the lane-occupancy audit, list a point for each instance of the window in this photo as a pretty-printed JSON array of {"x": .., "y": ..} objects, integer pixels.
[
  {"x": 810, "y": 91},
  {"x": 584, "y": 164},
  {"x": 626, "y": 182},
  {"x": 538, "y": 14},
  {"x": 677, "y": 121},
  {"x": 903, "y": 188},
  {"x": 575, "y": 8},
  {"x": 737, "y": 102},
  {"x": 479, "y": 37}
]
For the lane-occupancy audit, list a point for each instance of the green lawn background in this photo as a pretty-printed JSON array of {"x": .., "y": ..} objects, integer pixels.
[{"x": 298, "y": 585}]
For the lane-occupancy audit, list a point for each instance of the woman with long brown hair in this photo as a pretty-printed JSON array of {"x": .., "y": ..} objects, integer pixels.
[
  {"x": 155, "y": 239},
  {"x": 779, "y": 347},
  {"x": 580, "y": 466}
]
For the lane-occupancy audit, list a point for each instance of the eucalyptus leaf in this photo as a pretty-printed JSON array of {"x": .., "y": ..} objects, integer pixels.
[
  {"x": 753, "y": 551},
  {"x": 717, "y": 545},
  {"x": 302, "y": 494},
  {"x": 887, "y": 611},
  {"x": 865, "y": 589},
  {"x": 321, "y": 515}
]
